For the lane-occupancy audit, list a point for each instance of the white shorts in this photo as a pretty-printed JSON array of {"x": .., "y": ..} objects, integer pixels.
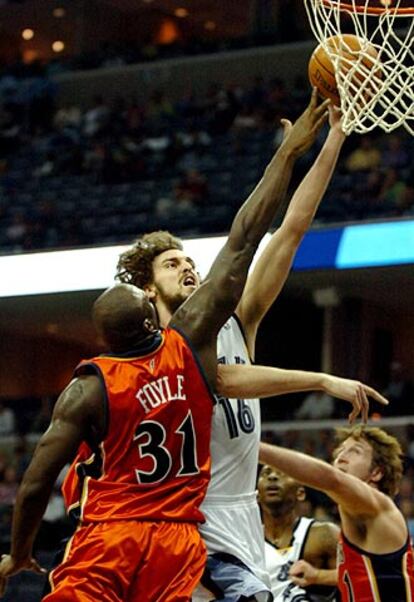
[{"x": 233, "y": 526}]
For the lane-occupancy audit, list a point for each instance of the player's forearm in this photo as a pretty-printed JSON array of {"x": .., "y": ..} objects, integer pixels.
[
  {"x": 256, "y": 215},
  {"x": 31, "y": 503},
  {"x": 301, "y": 467},
  {"x": 328, "y": 577},
  {"x": 263, "y": 381},
  {"x": 307, "y": 198}
]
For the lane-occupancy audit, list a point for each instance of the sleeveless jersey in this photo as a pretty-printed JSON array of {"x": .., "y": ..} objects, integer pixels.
[
  {"x": 233, "y": 523},
  {"x": 235, "y": 435},
  {"x": 154, "y": 461},
  {"x": 366, "y": 577},
  {"x": 279, "y": 561}
]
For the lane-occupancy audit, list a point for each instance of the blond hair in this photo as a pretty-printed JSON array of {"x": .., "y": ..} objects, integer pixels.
[{"x": 387, "y": 454}]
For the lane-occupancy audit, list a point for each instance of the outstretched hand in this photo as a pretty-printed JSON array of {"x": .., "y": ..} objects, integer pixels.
[
  {"x": 10, "y": 567},
  {"x": 300, "y": 136},
  {"x": 356, "y": 393}
]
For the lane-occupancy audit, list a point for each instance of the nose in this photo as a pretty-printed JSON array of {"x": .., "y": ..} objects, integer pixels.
[{"x": 341, "y": 458}]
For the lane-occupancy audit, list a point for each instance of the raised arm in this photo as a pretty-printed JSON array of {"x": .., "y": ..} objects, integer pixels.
[
  {"x": 249, "y": 382},
  {"x": 353, "y": 495},
  {"x": 78, "y": 412},
  {"x": 272, "y": 268},
  {"x": 203, "y": 314}
]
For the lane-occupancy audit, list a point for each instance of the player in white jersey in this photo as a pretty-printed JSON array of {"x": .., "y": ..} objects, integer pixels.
[
  {"x": 293, "y": 542},
  {"x": 228, "y": 530},
  {"x": 157, "y": 263}
]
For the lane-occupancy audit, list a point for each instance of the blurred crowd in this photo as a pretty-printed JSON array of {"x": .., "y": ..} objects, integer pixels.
[{"x": 71, "y": 176}]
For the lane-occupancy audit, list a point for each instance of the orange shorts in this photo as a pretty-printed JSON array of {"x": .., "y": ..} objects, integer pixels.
[{"x": 130, "y": 561}]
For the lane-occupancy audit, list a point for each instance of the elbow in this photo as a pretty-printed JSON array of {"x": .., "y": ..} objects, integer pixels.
[{"x": 223, "y": 381}]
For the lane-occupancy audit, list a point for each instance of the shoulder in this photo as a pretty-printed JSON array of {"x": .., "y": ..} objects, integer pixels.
[
  {"x": 83, "y": 395},
  {"x": 322, "y": 539}
]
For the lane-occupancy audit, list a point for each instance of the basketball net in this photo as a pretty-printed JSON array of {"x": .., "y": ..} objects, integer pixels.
[{"x": 374, "y": 91}]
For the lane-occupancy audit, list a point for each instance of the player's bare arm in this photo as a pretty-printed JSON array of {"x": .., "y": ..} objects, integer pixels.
[
  {"x": 353, "y": 495},
  {"x": 318, "y": 565},
  {"x": 203, "y": 314},
  {"x": 77, "y": 416},
  {"x": 249, "y": 382},
  {"x": 321, "y": 545},
  {"x": 272, "y": 268},
  {"x": 305, "y": 574}
]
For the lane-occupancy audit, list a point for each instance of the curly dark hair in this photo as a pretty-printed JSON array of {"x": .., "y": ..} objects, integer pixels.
[
  {"x": 387, "y": 454},
  {"x": 135, "y": 264}
]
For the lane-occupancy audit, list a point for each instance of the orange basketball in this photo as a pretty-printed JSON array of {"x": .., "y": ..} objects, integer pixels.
[{"x": 321, "y": 70}]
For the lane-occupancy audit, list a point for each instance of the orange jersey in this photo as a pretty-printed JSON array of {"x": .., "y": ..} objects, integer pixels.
[
  {"x": 154, "y": 461},
  {"x": 366, "y": 577}
]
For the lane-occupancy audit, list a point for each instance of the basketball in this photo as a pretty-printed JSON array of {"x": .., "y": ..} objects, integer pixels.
[{"x": 321, "y": 70}]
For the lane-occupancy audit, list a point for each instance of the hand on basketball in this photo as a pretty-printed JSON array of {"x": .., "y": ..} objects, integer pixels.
[
  {"x": 9, "y": 567},
  {"x": 300, "y": 136},
  {"x": 356, "y": 393},
  {"x": 335, "y": 118}
]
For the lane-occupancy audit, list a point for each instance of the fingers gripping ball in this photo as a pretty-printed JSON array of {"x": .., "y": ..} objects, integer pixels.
[{"x": 321, "y": 70}]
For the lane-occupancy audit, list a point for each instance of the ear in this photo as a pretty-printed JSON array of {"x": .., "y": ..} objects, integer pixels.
[
  {"x": 300, "y": 494},
  {"x": 376, "y": 474},
  {"x": 149, "y": 326},
  {"x": 151, "y": 291}
]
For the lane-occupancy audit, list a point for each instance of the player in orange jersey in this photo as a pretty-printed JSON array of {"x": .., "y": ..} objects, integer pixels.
[
  {"x": 147, "y": 429},
  {"x": 375, "y": 562}
]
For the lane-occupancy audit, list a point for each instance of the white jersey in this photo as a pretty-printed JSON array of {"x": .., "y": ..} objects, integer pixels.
[
  {"x": 234, "y": 456},
  {"x": 279, "y": 561},
  {"x": 235, "y": 433}
]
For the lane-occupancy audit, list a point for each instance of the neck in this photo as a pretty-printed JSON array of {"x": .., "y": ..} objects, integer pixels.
[
  {"x": 279, "y": 527},
  {"x": 164, "y": 314}
]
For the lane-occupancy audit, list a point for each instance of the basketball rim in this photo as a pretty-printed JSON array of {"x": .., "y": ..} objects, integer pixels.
[{"x": 403, "y": 8}]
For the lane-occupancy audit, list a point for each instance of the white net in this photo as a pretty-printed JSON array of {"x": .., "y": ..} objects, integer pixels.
[{"x": 376, "y": 82}]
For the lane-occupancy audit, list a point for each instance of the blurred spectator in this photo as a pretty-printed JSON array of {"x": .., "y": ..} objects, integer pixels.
[
  {"x": 365, "y": 157},
  {"x": 393, "y": 190},
  {"x": 68, "y": 117},
  {"x": 394, "y": 154},
  {"x": 96, "y": 118},
  {"x": 7, "y": 420},
  {"x": 21, "y": 456},
  {"x": 192, "y": 188},
  {"x": 9, "y": 486},
  {"x": 316, "y": 406},
  {"x": 399, "y": 391}
]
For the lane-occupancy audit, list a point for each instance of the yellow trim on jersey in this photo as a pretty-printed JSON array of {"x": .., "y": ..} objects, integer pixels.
[
  {"x": 84, "y": 496},
  {"x": 89, "y": 460},
  {"x": 407, "y": 581},
  {"x": 65, "y": 556},
  {"x": 102, "y": 448},
  {"x": 372, "y": 578},
  {"x": 72, "y": 507}
]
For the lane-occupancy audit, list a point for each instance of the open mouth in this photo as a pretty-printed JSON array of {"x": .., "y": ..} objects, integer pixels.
[
  {"x": 273, "y": 489},
  {"x": 189, "y": 281}
]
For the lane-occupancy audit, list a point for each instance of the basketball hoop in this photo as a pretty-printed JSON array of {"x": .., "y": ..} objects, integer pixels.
[{"x": 383, "y": 95}]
